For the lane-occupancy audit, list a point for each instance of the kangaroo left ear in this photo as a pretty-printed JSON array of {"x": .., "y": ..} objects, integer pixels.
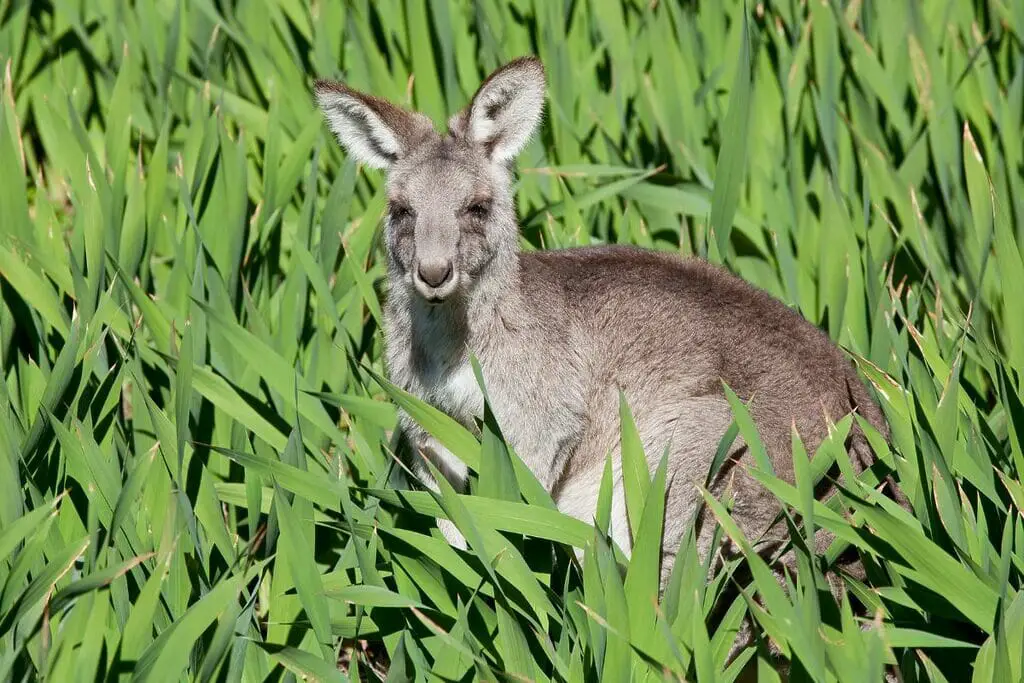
[
  {"x": 371, "y": 129},
  {"x": 505, "y": 111}
]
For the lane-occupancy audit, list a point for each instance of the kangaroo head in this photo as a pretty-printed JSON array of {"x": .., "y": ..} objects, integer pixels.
[{"x": 451, "y": 209}]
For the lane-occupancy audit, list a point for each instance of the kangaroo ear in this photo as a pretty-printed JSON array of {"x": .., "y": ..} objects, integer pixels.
[
  {"x": 372, "y": 130},
  {"x": 505, "y": 110}
]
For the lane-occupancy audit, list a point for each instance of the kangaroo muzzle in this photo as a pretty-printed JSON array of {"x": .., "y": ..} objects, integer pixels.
[{"x": 435, "y": 279}]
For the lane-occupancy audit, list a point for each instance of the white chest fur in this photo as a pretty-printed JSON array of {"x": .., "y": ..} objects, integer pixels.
[{"x": 458, "y": 393}]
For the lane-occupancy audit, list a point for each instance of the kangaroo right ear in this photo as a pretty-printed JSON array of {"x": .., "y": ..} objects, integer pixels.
[
  {"x": 372, "y": 130},
  {"x": 505, "y": 111}
]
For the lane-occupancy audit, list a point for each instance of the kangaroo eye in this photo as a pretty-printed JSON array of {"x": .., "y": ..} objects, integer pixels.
[
  {"x": 479, "y": 210},
  {"x": 399, "y": 212}
]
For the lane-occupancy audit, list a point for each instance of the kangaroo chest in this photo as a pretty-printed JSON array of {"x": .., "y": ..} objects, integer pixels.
[
  {"x": 537, "y": 395},
  {"x": 539, "y": 423},
  {"x": 457, "y": 393}
]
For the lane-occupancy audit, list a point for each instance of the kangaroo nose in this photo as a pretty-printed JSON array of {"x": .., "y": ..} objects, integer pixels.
[{"x": 435, "y": 273}]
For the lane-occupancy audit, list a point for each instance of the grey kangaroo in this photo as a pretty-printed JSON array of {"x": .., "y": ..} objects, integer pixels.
[{"x": 559, "y": 334}]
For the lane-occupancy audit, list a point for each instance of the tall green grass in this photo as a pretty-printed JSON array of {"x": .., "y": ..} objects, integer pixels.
[{"x": 197, "y": 477}]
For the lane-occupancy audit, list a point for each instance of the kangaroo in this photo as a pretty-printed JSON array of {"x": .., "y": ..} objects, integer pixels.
[{"x": 560, "y": 333}]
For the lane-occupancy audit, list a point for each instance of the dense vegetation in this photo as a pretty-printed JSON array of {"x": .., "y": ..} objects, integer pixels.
[{"x": 196, "y": 440}]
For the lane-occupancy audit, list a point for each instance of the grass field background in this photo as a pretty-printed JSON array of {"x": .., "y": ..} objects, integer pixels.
[{"x": 196, "y": 471}]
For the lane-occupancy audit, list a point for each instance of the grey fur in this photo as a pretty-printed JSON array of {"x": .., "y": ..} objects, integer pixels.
[{"x": 559, "y": 333}]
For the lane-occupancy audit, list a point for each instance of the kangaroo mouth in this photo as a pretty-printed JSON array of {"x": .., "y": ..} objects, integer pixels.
[{"x": 436, "y": 296}]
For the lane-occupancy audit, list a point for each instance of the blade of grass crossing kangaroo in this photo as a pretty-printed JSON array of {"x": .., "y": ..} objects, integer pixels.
[
  {"x": 635, "y": 474},
  {"x": 643, "y": 575}
]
